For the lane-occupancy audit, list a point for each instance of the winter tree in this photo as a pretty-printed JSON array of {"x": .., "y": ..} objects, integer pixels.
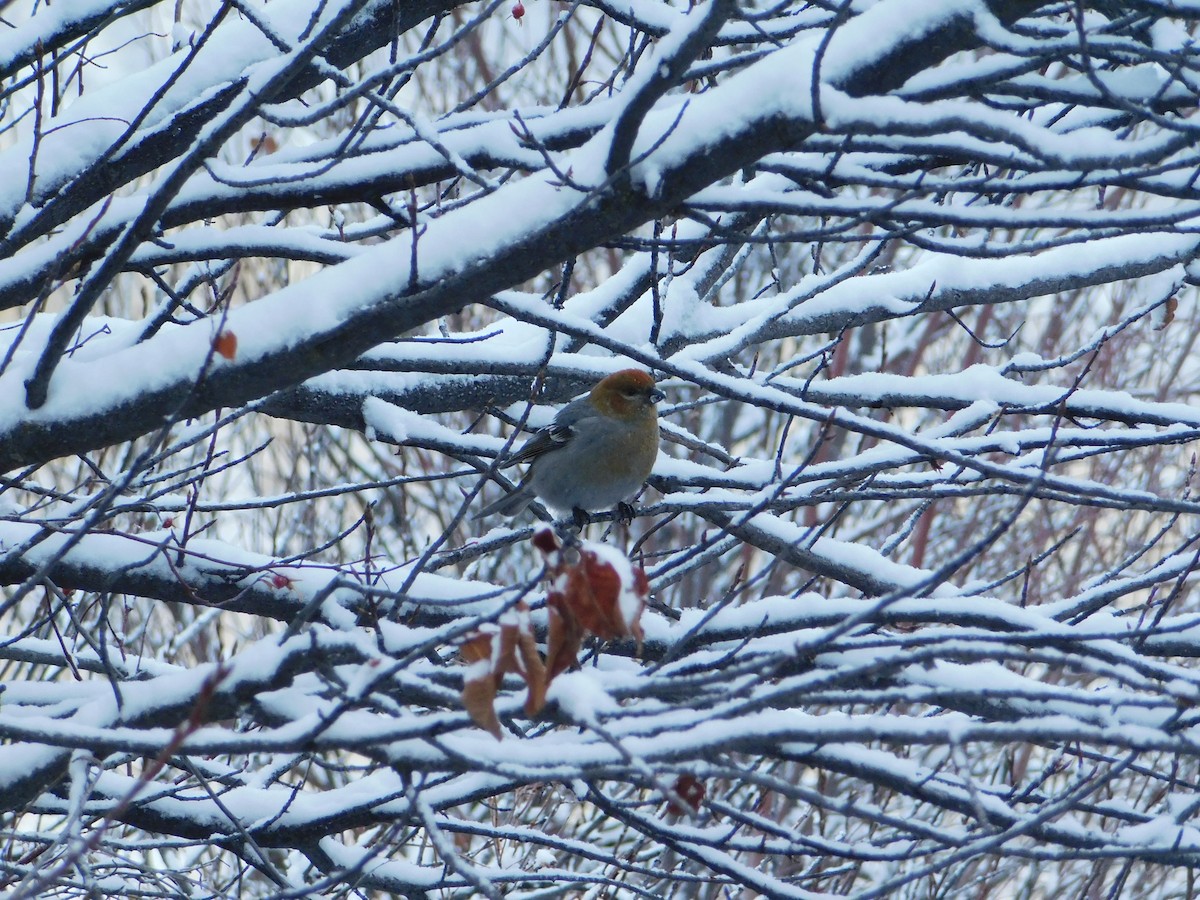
[{"x": 905, "y": 610}]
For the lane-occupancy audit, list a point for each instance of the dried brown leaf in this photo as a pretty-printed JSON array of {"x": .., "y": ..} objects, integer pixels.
[{"x": 225, "y": 344}]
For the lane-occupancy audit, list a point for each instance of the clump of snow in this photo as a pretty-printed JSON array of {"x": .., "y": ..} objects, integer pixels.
[{"x": 582, "y": 697}]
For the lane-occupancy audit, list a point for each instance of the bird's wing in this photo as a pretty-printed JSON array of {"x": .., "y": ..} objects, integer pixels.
[
  {"x": 549, "y": 438},
  {"x": 554, "y": 435}
]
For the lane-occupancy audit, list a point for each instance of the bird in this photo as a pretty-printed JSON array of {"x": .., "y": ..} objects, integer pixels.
[{"x": 595, "y": 455}]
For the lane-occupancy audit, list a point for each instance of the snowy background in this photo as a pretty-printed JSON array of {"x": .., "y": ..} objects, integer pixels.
[{"x": 280, "y": 280}]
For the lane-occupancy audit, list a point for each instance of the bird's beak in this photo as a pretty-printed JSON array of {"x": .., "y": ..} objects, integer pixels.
[{"x": 657, "y": 396}]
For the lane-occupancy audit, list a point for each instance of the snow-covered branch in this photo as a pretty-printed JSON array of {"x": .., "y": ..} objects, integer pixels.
[{"x": 906, "y": 607}]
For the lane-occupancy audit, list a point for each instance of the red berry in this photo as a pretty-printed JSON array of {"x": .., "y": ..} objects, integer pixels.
[
  {"x": 545, "y": 541},
  {"x": 518, "y": 10}
]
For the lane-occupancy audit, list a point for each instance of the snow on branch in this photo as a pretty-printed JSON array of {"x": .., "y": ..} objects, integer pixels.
[{"x": 906, "y": 605}]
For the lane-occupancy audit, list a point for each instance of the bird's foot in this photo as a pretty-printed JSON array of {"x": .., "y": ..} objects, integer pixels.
[
  {"x": 625, "y": 513},
  {"x": 581, "y": 517}
]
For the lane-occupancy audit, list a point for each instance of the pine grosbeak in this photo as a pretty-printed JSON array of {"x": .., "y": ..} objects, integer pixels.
[{"x": 595, "y": 455}]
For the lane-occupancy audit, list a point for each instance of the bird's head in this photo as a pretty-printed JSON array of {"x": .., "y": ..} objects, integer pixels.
[{"x": 626, "y": 394}]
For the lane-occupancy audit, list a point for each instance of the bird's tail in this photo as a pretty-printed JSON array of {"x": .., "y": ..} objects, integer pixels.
[{"x": 508, "y": 505}]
